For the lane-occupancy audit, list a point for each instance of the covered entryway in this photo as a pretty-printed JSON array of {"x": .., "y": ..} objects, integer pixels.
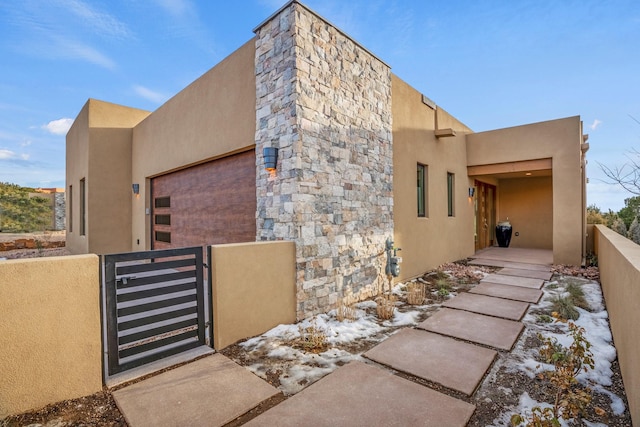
[{"x": 210, "y": 203}]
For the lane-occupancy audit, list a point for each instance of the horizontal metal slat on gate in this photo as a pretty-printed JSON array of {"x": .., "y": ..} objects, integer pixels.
[
  {"x": 156, "y": 292},
  {"x": 127, "y": 339},
  {"x": 154, "y": 266},
  {"x": 152, "y": 357},
  {"x": 158, "y": 344},
  {"x": 127, "y": 311},
  {"x": 132, "y": 282},
  {"x": 124, "y": 326}
]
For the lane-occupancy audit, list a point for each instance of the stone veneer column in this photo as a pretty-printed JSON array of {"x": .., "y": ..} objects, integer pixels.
[{"x": 325, "y": 102}]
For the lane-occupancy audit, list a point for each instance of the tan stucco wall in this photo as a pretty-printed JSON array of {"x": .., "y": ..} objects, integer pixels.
[
  {"x": 214, "y": 116},
  {"x": 99, "y": 150},
  {"x": 556, "y": 139},
  {"x": 50, "y": 342},
  {"x": 110, "y": 194},
  {"x": 428, "y": 242},
  {"x": 77, "y": 167},
  {"x": 619, "y": 263},
  {"x": 528, "y": 204},
  {"x": 254, "y": 289}
]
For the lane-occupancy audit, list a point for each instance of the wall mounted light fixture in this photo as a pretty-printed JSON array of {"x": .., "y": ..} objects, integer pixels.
[
  {"x": 270, "y": 155},
  {"x": 136, "y": 188},
  {"x": 472, "y": 191}
]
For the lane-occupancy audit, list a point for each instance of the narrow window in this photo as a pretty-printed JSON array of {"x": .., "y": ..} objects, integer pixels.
[
  {"x": 70, "y": 209},
  {"x": 422, "y": 190},
  {"x": 163, "y": 202},
  {"x": 163, "y": 219},
  {"x": 83, "y": 208},
  {"x": 451, "y": 180},
  {"x": 163, "y": 236}
]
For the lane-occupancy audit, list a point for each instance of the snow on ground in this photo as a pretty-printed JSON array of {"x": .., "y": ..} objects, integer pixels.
[
  {"x": 278, "y": 351},
  {"x": 597, "y": 332}
]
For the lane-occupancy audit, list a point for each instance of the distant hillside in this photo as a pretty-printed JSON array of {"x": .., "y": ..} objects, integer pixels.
[{"x": 21, "y": 210}]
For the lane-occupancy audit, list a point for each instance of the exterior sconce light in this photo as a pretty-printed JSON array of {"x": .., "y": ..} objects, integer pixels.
[
  {"x": 270, "y": 155},
  {"x": 136, "y": 188},
  {"x": 472, "y": 191}
]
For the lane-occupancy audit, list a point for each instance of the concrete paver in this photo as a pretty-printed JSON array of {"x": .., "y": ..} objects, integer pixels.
[
  {"x": 211, "y": 391},
  {"x": 358, "y": 394},
  {"x": 491, "y": 331},
  {"x": 508, "y": 264},
  {"x": 517, "y": 293},
  {"x": 525, "y": 282},
  {"x": 454, "y": 364},
  {"x": 533, "y": 274},
  {"x": 524, "y": 255},
  {"x": 491, "y": 306}
]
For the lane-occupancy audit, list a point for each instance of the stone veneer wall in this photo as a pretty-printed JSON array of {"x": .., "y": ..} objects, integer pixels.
[
  {"x": 59, "y": 211},
  {"x": 325, "y": 102}
]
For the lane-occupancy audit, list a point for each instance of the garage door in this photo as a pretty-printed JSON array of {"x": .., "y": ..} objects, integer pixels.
[{"x": 211, "y": 203}]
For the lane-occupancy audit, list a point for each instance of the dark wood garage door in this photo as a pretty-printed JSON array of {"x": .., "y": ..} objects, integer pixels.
[{"x": 211, "y": 203}]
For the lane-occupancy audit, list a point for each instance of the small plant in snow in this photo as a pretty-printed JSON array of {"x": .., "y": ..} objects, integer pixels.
[
  {"x": 415, "y": 293},
  {"x": 570, "y": 397},
  {"x": 443, "y": 292},
  {"x": 312, "y": 338},
  {"x": 385, "y": 306},
  {"x": 565, "y": 308},
  {"x": 345, "y": 311},
  {"x": 577, "y": 296}
]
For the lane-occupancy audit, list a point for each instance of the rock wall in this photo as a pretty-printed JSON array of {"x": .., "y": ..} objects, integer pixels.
[
  {"x": 325, "y": 102},
  {"x": 59, "y": 211}
]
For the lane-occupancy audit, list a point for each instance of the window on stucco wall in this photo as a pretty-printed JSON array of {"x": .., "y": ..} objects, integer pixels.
[
  {"x": 422, "y": 191},
  {"x": 451, "y": 180}
]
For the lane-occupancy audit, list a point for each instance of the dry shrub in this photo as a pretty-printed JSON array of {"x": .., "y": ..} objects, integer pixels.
[
  {"x": 312, "y": 338},
  {"x": 386, "y": 305},
  {"x": 415, "y": 293},
  {"x": 345, "y": 311}
]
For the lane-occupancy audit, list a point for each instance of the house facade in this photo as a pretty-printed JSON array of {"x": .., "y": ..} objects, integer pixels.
[{"x": 362, "y": 158}]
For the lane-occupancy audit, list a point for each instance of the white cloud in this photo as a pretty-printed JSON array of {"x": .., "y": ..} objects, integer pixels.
[
  {"x": 75, "y": 49},
  {"x": 99, "y": 22},
  {"x": 7, "y": 154},
  {"x": 25, "y": 156},
  {"x": 596, "y": 123},
  {"x": 58, "y": 127},
  {"x": 177, "y": 8},
  {"x": 149, "y": 94}
]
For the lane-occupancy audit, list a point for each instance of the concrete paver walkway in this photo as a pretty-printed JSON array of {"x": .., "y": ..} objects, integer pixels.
[
  {"x": 428, "y": 356},
  {"x": 525, "y": 282},
  {"x": 208, "y": 392},
  {"x": 491, "y": 306},
  {"x": 486, "y": 330},
  {"x": 214, "y": 390},
  {"x": 358, "y": 394},
  {"x": 517, "y": 293},
  {"x": 519, "y": 272}
]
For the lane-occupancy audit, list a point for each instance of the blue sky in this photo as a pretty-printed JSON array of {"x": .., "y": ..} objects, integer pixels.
[{"x": 492, "y": 64}]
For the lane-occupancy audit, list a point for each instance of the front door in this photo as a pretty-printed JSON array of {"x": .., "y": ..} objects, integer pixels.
[{"x": 485, "y": 208}]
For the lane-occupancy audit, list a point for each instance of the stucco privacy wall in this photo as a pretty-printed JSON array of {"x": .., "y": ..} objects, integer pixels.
[
  {"x": 253, "y": 289},
  {"x": 50, "y": 344},
  {"x": 325, "y": 102},
  {"x": 619, "y": 263},
  {"x": 428, "y": 241},
  {"x": 211, "y": 118},
  {"x": 561, "y": 141},
  {"x": 98, "y": 149}
]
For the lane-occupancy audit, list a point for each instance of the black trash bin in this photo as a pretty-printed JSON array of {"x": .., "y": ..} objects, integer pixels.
[{"x": 503, "y": 234}]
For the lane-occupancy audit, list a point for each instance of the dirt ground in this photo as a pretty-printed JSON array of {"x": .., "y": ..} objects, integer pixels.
[
  {"x": 54, "y": 236},
  {"x": 491, "y": 399}
]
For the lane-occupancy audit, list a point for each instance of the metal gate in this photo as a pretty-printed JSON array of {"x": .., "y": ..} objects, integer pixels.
[{"x": 155, "y": 305}]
